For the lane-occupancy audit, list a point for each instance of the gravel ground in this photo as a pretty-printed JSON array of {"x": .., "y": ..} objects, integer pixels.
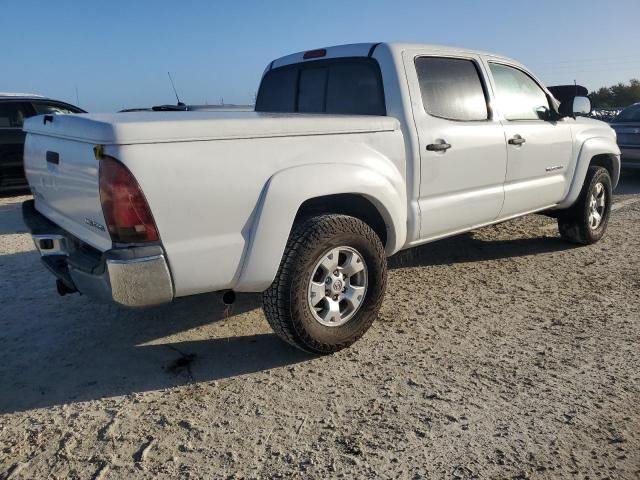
[{"x": 504, "y": 353}]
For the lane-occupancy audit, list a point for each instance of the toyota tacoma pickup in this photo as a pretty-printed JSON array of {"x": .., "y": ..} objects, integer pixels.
[{"x": 352, "y": 154}]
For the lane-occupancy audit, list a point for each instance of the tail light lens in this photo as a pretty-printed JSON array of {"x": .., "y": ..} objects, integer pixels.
[{"x": 125, "y": 209}]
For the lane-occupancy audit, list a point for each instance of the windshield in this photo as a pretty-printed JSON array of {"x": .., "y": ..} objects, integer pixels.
[{"x": 629, "y": 114}]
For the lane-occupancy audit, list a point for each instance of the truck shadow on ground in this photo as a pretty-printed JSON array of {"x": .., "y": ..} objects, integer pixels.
[
  {"x": 65, "y": 350},
  {"x": 11, "y": 215},
  {"x": 467, "y": 248},
  {"x": 60, "y": 350},
  {"x": 57, "y": 350}
]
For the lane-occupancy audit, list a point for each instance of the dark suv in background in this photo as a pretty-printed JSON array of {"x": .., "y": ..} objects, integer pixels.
[
  {"x": 627, "y": 127},
  {"x": 14, "y": 108}
]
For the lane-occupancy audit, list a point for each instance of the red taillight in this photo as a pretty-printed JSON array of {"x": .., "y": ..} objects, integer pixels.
[
  {"x": 321, "y": 52},
  {"x": 125, "y": 209}
]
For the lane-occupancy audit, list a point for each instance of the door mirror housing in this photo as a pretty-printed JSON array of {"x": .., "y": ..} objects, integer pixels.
[
  {"x": 577, "y": 105},
  {"x": 581, "y": 106}
]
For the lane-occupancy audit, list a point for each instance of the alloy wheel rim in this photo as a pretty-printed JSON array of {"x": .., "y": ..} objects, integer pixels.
[
  {"x": 338, "y": 286},
  {"x": 597, "y": 205}
]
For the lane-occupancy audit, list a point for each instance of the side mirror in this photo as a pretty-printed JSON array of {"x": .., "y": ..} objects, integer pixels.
[
  {"x": 577, "y": 105},
  {"x": 581, "y": 106}
]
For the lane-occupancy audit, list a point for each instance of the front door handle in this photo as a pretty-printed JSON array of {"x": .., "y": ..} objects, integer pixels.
[
  {"x": 441, "y": 146},
  {"x": 517, "y": 140}
]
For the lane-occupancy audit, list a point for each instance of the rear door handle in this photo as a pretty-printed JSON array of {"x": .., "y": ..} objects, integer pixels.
[
  {"x": 439, "y": 147},
  {"x": 517, "y": 140}
]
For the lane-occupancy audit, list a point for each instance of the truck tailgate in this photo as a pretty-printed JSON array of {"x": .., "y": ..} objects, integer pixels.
[{"x": 63, "y": 176}]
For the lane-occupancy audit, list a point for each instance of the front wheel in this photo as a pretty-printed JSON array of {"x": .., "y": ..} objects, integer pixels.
[
  {"x": 586, "y": 221},
  {"x": 330, "y": 284}
]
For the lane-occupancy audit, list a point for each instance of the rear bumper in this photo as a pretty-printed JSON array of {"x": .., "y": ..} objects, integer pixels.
[{"x": 132, "y": 276}]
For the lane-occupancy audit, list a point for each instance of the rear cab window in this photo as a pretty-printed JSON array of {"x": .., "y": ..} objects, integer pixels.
[
  {"x": 350, "y": 85},
  {"x": 452, "y": 88},
  {"x": 312, "y": 85}
]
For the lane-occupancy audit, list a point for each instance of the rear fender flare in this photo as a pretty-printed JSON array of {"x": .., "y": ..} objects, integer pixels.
[{"x": 288, "y": 189}]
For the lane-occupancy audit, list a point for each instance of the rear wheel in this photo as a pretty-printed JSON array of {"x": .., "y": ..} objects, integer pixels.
[
  {"x": 586, "y": 221},
  {"x": 330, "y": 284}
]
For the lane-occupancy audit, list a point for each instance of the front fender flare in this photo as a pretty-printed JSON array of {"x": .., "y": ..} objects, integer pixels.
[
  {"x": 589, "y": 149},
  {"x": 288, "y": 189}
]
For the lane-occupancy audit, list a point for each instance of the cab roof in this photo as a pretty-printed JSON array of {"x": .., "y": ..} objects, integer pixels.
[
  {"x": 14, "y": 96},
  {"x": 367, "y": 49}
]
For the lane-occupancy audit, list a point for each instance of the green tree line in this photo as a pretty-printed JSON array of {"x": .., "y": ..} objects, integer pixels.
[{"x": 620, "y": 95}]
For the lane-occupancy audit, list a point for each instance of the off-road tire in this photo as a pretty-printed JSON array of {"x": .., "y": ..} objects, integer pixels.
[
  {"x": 573, "y": 223},
  {"x": 285, "y": 301}
]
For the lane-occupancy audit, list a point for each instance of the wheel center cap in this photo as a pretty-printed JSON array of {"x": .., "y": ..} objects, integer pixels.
[{"x": 337, "y": 286}]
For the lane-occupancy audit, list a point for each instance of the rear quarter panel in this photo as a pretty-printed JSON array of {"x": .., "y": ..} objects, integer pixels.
[{"x": 205, "y": 195}]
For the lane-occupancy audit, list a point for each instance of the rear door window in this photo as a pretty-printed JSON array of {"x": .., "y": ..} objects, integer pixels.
[
  {"x": 336, "y": 86},
  {"x": 451, "y": 88},
  {"x": 13, "y": 114}
]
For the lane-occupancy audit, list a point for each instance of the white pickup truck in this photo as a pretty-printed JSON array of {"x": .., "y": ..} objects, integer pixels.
[{"x": 353, "y": 153}]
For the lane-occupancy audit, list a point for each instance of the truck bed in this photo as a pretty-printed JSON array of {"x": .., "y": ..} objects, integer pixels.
[
  {"x": 167, "y": 127},
  {"x": 204, "y": 175}
]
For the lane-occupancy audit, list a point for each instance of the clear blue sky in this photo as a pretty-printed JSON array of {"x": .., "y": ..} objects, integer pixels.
[{"x": 118, "y": 52}]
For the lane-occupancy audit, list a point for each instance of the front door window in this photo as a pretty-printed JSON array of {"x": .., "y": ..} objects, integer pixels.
[{"x": 518, "y": 96}]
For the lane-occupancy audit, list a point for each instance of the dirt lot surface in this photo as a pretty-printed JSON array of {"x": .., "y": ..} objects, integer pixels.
[{"x": 505, "y": 353}]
